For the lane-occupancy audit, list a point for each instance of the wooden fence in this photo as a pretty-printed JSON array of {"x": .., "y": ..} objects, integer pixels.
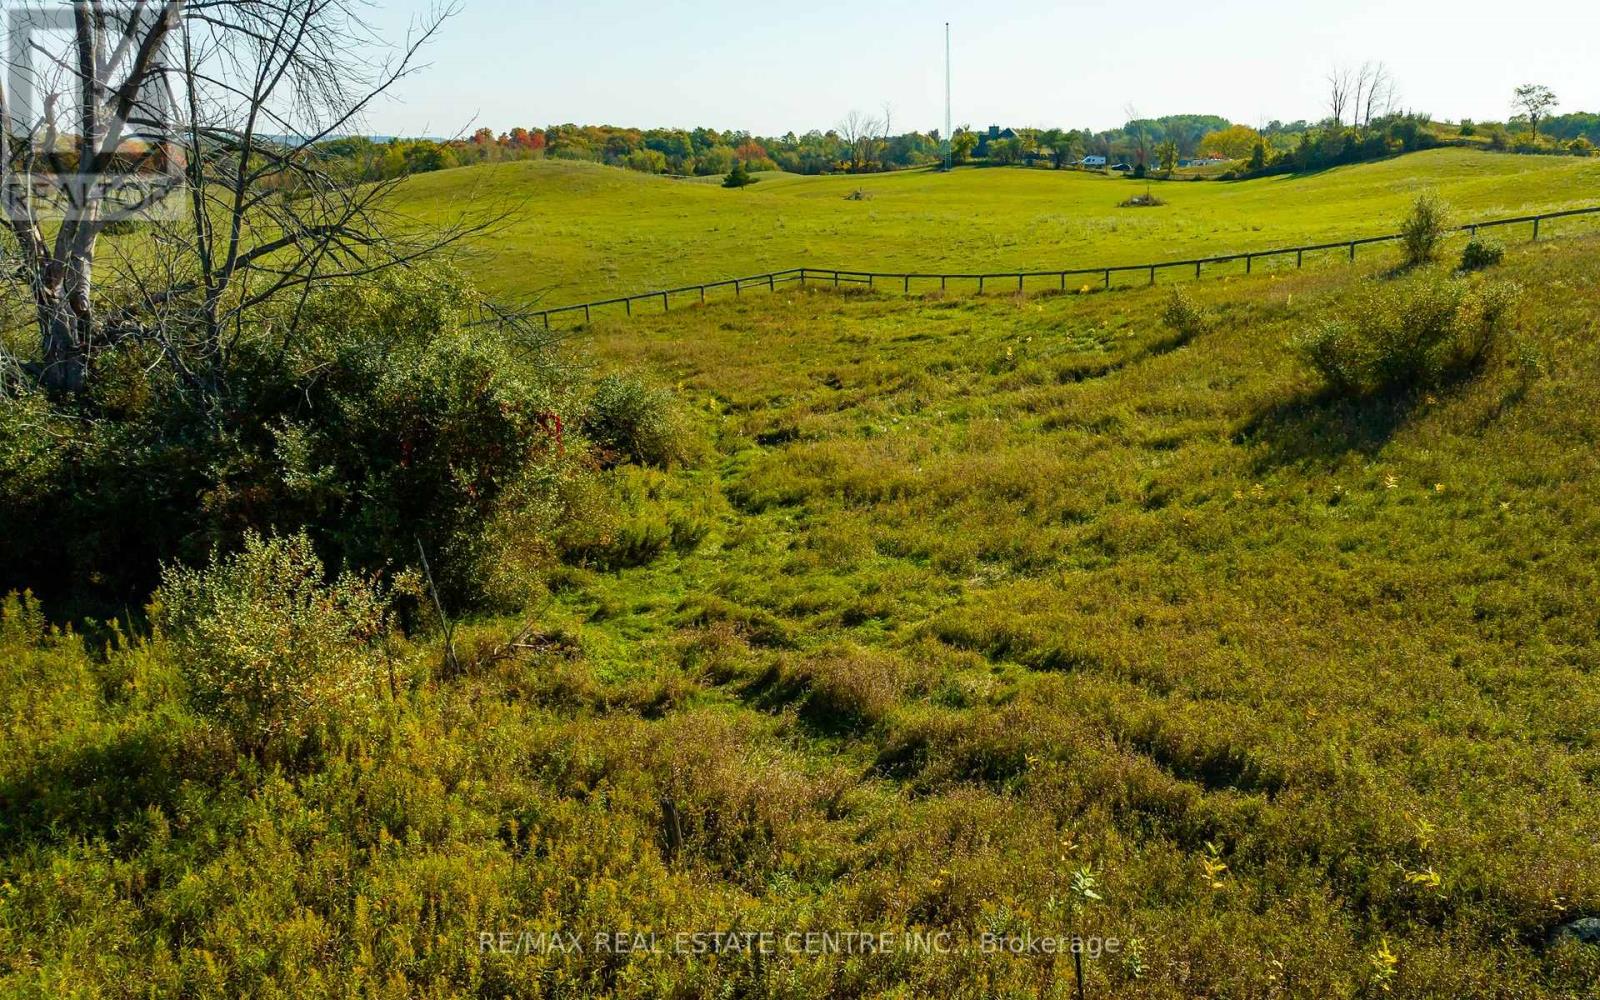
[{"x": 985, "y": 280}]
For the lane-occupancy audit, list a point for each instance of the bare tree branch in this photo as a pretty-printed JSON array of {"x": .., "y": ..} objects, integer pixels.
[{"x": 237, "y": 94}]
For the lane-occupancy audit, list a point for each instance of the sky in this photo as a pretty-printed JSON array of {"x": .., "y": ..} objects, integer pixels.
[{"x": 772, "y": 68}]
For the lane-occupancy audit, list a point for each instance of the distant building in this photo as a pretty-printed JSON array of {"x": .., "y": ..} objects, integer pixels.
[{"x": 994, "y": 132}]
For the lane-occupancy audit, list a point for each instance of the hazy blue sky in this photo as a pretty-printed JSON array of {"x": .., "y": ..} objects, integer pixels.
[{"x": 775, "y": 67}]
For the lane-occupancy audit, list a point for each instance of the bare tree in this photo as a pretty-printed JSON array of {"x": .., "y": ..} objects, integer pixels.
[
  {"x": 860, "y": 134},
  {"x": 228, "y": 100},
  {"x": 1340, "y": 84},
  {"x": 1374, "y": 95},
  {"x": 1141, "y": 141},
  {"x": 886, "y": 127}
]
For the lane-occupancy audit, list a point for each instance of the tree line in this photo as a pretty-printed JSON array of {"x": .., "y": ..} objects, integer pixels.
[
  {"x": 1363, "y": 120},
  {"x": 858, "y": 143}
]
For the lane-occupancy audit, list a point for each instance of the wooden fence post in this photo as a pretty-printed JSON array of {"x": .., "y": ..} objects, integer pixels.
[
  {"x": 1352, "y": 250},
  {"x": 1019, "y": 282},
  {"x": 980, "y": 284},
  {"x": 1536, "y": 229},
  {"x": 907, "y": 285},
  {"x": 629, "y": 304},
  {"x": 1299, "y": 258},
  {"x": 772, "y": 284},
  {"x": 664, "y": 306},
  {"x": 1197, "y": 270},
  {"x": 1152, "y": 274},
  {"x": 1249, "y": 262},
  {"x": 702, "y": 295},
  {"x": 1108, "y": 277},
  {"x": 586, "y": 312}
]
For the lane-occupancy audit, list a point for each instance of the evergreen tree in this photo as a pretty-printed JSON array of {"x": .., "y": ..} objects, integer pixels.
[{"x": 739, "y": 176}]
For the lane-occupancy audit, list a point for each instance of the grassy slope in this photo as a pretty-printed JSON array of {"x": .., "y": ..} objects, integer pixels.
[
  {"x": 1033, "y": 577},
  {"x": 581, "y": 231},
  {"x": 971, "y": 594}
]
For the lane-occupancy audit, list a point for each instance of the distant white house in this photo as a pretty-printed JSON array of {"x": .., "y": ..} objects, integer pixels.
[
  {"x": 1093, "y": 161},
  {"x": 1203, "y": 161}
]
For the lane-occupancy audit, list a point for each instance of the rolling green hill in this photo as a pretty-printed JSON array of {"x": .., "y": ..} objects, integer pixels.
[{"x": 577, "y": 231}]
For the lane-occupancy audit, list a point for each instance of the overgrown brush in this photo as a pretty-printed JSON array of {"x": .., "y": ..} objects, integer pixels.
[
  {"x": 269, "y": 650},
  {"x": 385, "y": 420},
  {"x": 1146, "y": 200},
  {"x": 1184, "y": 317},
  {"x": 629, "y": 419},
  {"x": 1409, "y": 335}
]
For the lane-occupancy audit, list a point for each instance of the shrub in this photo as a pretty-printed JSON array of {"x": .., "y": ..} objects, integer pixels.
[
  {"x": 1184, "y": 317},
  {"x": 628, "y": 419},
  {"x": 268, "y": 650},
  {"x": 1145, "y": 200},
  {"x": 1481, "y": 253},
  {"x": 1423, "y": 230},
  {"x": 848, "y": 688},
  {"x": 1409, "y": 335},
  {"x": 384, "y": 420}
]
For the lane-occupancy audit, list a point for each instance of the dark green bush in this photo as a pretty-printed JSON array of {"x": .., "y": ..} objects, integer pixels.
[
  {"x": 1409, "y": 335},
  {"x": 1480, "y": 253},
  {"x": 382, "y": 422},
  {"x": 628, "y": 419}
]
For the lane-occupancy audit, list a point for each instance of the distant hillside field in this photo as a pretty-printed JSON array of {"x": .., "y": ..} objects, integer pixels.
[{"x": 580, "y": 231}]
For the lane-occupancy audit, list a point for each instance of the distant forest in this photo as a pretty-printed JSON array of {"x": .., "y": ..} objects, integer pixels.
[
  {"x": 858, "y": 144},
  {"x": 867, "y": 144}
]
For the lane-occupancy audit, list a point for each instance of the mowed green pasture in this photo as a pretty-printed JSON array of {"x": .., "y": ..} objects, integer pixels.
[{"x": 578, "y": 231}]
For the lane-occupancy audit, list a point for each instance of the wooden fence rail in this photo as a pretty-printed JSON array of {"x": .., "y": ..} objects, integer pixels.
[{"x": 837, "y": 277}]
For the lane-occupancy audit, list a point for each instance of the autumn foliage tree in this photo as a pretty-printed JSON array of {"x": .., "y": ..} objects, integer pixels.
[{"x": 1233, "y": 143}]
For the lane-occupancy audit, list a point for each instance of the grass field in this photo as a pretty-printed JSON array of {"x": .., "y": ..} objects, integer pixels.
[
  {"x": 963, "y": 601},
  {"x": 579, "y": 231},
  {"x": 1053, "y": 593}
]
